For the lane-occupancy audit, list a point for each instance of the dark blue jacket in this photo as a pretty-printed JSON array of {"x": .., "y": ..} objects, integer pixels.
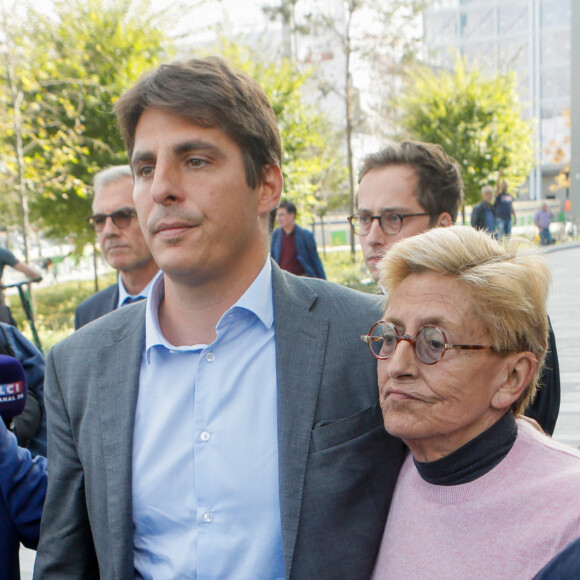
[
  {"x": 22, "y": 493},
  {"x": 33, "y": 363},
  {"x": 97, "y": 305},
  {"x": 564, "y": 566},
  {"x": 306, "y": 251}
]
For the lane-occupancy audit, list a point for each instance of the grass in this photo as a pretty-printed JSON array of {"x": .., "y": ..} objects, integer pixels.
[
  {"x": 54, "y": 309},
  {"x": 340, "y": 268},
  {"x": 55, "y": 305}
]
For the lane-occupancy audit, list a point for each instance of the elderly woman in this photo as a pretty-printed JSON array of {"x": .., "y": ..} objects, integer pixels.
[{"x": 483, "y": 494}]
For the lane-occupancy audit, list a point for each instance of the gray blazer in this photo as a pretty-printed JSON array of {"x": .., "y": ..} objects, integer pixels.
[
  {"x": 338, "y": 466},
  {"x": 97, "y": 305}
]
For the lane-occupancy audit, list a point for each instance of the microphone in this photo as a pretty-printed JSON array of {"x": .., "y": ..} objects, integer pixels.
[{"x": 13, "y": 387}]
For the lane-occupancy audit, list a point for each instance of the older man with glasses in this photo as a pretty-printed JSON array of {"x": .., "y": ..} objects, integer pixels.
[
  {"x": 124, "y": 248},
  {"x": 408, "y": 188}
]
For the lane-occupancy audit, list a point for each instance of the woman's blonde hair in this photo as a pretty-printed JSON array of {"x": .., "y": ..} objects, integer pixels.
[{"x": 508, "y": 290}]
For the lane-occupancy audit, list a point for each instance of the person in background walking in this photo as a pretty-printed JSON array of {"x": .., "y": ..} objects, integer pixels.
[
  {"x": 504, "y": 210},
  {"x": 483, "y": 214},
  {"x": 542, "y": 219},
  {"x": 294, "y": 248}
]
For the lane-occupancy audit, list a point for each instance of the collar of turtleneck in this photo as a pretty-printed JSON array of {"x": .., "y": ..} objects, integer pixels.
[{"x": 475, "y": 458}]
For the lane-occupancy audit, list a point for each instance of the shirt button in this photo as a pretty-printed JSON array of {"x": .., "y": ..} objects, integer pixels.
[
  {"x": 210, "y": 357},
  {"x": 205, "y": 436},
  {"x": 208, "y": 518}
]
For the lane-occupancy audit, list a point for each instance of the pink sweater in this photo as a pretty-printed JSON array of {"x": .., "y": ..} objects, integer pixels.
[{"x": 507, "y": 524}]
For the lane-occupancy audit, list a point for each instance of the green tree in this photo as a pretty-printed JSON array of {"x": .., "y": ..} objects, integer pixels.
[
  {"x": 313, "y": 170},
  {"x": 368, "y": 35},
  {"x": 477, "y": 119},
  {"x": 71, "y": 69}
]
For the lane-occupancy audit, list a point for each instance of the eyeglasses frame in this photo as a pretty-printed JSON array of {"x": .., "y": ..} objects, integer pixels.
[
  {"x": 369, "y": 339},
  {"x": 126, "y": 210},
  {"x": 402, "y": 216}
]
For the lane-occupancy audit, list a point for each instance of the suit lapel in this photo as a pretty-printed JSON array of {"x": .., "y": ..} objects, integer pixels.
[
  {"x": 118, "y": 389},
  {"x": 301, "y": 337}
]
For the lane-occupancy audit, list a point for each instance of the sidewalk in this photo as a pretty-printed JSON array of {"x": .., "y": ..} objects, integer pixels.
[{"x": 564, "y": 310}]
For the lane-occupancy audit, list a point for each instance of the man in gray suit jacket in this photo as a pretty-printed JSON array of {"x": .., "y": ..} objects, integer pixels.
[
  {"x": 122, "y": 243},
  {"x": 229, "y": 427}
]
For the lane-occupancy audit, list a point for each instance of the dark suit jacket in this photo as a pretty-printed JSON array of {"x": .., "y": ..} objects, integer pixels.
[
  {"x": 306, "y": 251},
  {"x": 97, "y": 305},
  {"x": 337, "y": 464},
  {"x": 479, "y": 217}
]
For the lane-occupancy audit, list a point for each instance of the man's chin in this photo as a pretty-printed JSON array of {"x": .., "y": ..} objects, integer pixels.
[{"x": 373, "y": 271}]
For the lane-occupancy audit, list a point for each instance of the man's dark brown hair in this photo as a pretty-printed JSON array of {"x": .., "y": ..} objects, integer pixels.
[
  {"x": 209, "y": 92},
  {"x": 439, "y": 183}
]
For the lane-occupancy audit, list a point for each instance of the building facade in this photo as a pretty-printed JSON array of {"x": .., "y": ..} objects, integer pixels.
[{"x": 530, "y": 37}]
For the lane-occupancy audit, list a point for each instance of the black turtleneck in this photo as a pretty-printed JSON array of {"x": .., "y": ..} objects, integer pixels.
[{"x": 475, "y": 458}]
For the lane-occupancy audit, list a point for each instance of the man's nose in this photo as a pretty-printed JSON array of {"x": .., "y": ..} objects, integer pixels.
[
  {"x": 109, "y": 227},
  {"x": 165, "y": 187},
  {"x": 376, "y": 234}
]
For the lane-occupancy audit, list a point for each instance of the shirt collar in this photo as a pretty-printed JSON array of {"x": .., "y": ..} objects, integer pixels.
[
  {"x": 123, "y": 294},
  {"x": 258, "y": 299}
]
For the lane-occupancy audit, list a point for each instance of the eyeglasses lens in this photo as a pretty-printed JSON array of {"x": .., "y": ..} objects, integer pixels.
[
  {"x": 429, "y": 344},
  {"x": 121, "y": 219}
]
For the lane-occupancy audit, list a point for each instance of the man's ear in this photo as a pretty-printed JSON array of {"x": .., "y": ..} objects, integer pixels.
[
  {"x": 444, "y": 220},
  {"x": 270, "y": 188},
  {"x": 519, "y": 371}
]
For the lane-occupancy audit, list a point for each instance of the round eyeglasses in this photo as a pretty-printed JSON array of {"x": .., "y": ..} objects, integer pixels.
[
  {"x": 430, "y": 343},
  {"x": 121, "y": 218},
  {"x": 389, "y": 221}
]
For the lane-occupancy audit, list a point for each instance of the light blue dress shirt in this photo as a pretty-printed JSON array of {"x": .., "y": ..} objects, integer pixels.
[
  {"x": 205, "y": 460},
  {"x": 123, "y": 294}
]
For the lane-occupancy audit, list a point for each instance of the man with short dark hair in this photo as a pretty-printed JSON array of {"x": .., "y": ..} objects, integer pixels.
[
  {"x": 229, "y": 426},
  {"x": 294, "y": 248},
  {"x": 410, "y": 187},
  {"x": 122, "y": 244},
  {"x": 404, "y": 189}
]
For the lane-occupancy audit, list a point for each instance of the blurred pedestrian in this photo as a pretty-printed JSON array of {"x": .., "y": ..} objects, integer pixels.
[
  {"x": 294, "y": 248},
  {"x": 483, "y": 214},
  {"x": 7, "y": 258},
  {"x": 543, "y": 219},
  {"x": 504, "y": 210}
]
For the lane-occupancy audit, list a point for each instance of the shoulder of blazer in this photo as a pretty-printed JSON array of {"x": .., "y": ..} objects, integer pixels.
[{"x": 308, "y": 293}]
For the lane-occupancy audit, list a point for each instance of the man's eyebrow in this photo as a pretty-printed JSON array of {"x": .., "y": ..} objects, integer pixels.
[
  {"x": 384, "y": 210},
  {"x": 198, "y": 145},
  {"x": 179, "y": 149}
]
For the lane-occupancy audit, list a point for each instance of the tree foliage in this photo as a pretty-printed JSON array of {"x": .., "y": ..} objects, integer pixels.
[
  {"x": 476, "y": 119},
  {"x": 368, "y": 36},
  {"x": 71, "y": 68}
]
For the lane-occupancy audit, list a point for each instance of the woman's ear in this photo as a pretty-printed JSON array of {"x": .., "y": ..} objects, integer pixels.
[{"x": 519, "y": 372}]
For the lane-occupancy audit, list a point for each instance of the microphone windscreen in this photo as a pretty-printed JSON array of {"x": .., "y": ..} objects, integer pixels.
[{"x": 13, "y": 387}]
